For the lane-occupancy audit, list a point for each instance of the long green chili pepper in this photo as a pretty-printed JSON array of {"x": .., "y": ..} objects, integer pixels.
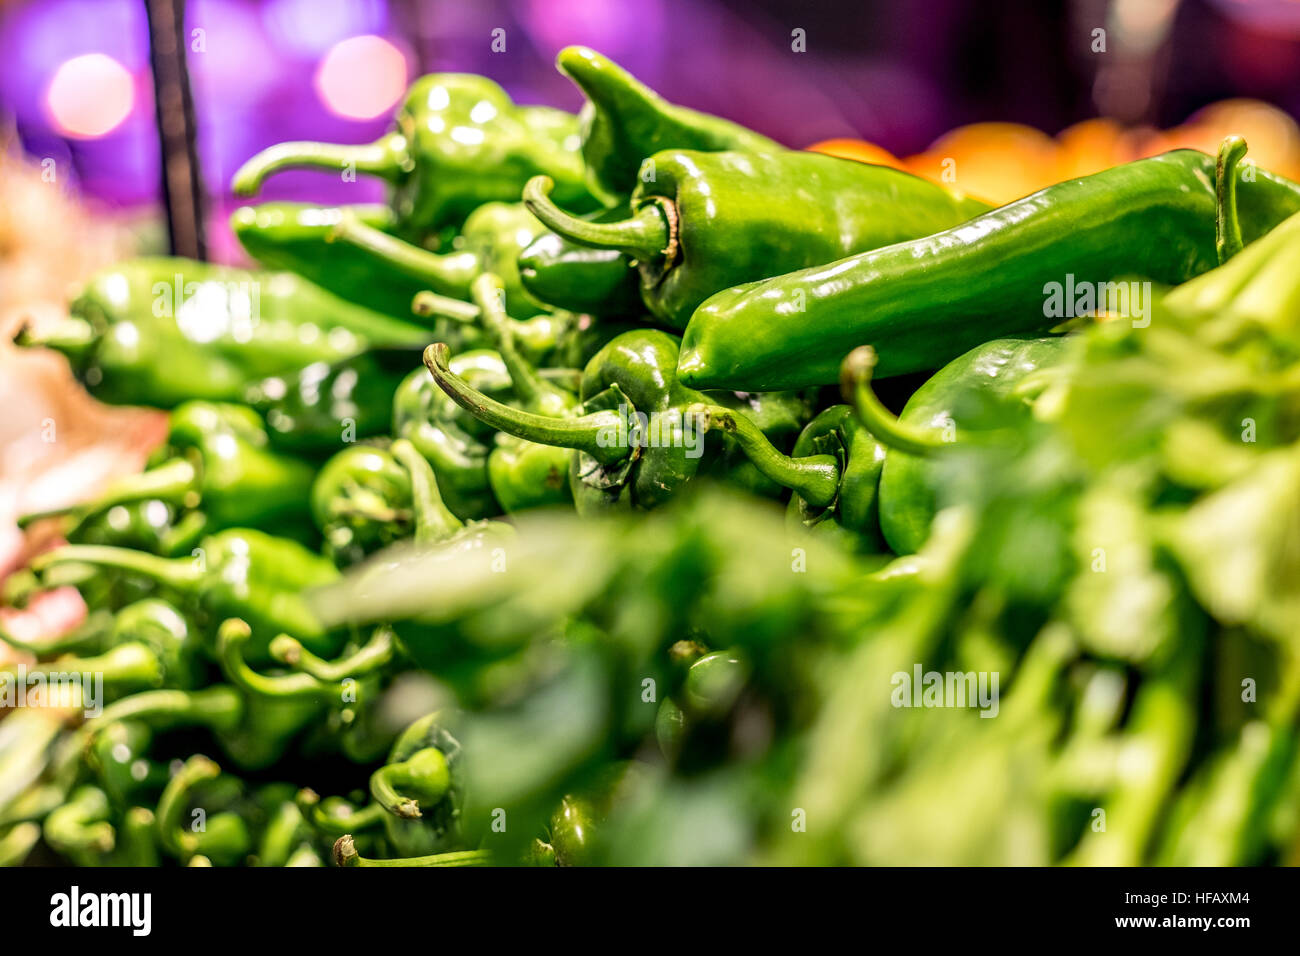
[
  {"x": 163, "y": 331},
  {"x": 703, "y": 222},
  {"x": 1012, "y": 270},
  {"x": 458, "y": 142},
  {"x": 624, "y": 121}
]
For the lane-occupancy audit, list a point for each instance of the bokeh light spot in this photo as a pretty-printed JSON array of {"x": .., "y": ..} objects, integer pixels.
[
  {"x": 361, "y": 77},
  {"x": 90, "y": 96}
]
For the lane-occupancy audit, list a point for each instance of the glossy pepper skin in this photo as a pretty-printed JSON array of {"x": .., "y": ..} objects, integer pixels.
[
  {"x": 702, "y": 222},
  {"x": 361, "y": 502},
  {"x": 327, "y": 404},
  {"x": 160, "y": 331},
  {"x": 834, "y": 471},
  {"x": 634, "y": 445},
  {"x": 624, "y": 121},
  {"x": 216, "y": 461},
  {"x": 523, "y": 474},
  {"x": 978, "y": 392},
  {"x": 297, "y": 237},
  {"x": 421, "y": 789},
  {"x": 490, "y": 241},
  {"x": 924, "y": 302},
  {"x": 458, "y": 142},
  {"x": 580, "y": 278},
  {"x": 239, "y": 572}
]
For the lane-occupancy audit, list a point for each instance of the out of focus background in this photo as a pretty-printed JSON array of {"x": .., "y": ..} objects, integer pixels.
[{"x": 99, "y": 97}]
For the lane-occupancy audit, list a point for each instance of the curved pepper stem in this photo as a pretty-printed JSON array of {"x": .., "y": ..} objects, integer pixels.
[
  {"x": 815, "y": 478},
  {"x": 649, "y": 234},
  {"x": 170, "y": 816},
  {"x": 596, "y": 433},
  {"x": 855, "y": 380},
  {"x": 180, "y": 574},
  {"x": 334, "y": 823},
  {"x": 1227, "y": 227},
  {"x": 374, "y": 655},
  {"x": 448, "y": 274},
  {"x": 345, "y": 854},
  {"x": 534, "y": 393},
  {"x": 128, "y": 663},
  {"x": 444, "y": 306},
  {"x": 176, "y": 482},
  {"x": 388, "y": 158},
  {"x": 232, "y": 635},
  {"x": 401, "y": 788},
  {"x": 434, "y": 521}
]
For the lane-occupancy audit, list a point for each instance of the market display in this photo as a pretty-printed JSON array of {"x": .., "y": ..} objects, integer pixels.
[{"x": 630, "y": 489}]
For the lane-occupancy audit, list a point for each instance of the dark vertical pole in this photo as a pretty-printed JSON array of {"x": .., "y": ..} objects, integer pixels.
[{"x": 182, "y": 188}]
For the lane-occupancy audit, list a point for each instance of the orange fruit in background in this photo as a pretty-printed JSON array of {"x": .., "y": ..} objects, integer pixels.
[
  {"x": 857, "y": 149},
  {"x": 997, "y": 162},
  {"x": 1271, "y": 135},
  {"x": 1091, "y": 146}
]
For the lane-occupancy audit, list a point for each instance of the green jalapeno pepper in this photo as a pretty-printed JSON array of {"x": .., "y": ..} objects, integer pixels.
[
  {"x": 215, "y": 461},
  {"x": 979, "y": 393},
  {"x": 239, "y": 572},
  {"x": 522, "y": 474},
  {"x": 581, "y": 278},
  {"x": 833, "y": 470},
  {"x": 635, "y": 447},
  {"x": 924, "y": 302},
  {"x": 163, "y": 331},
  {"x": 325, "y": 404},
  {"x": 459, "y": 142},
  {"x": 624, "y": 121},
  {"x": 298, "y": 237},
  {"x": 361, "y": 501},
  {"x": 703, "y": 222},
  {"x": 493, "y": 237}
]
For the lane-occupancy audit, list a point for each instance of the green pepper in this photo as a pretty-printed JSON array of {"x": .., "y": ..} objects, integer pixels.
[
  {"x": 982, "y": 392},
  {"x": 150, "y": 524},
  {"x": 239, "y": 572},
  {"x": 702, "y": 222},
  {"x": 523, "y": 474},
  {"x": 162, "y": 331},
  {"x": 199, "y": 815},
  {"x": 298, "y": 237},
  {"x": 834, "y": 471},
  {"x": 459, "y": 142},
  {"x": 624, "y": 121},
  {"x": 635, "y": 446},
  {"x": 81, "y": 829},
  {"x": 216, "y": 461},
  {"x": 924, "y": 302},
  {"x": 318, "y": 407},
  {"x": 492, "y": 238},
  {"x": 120, "y": 758},
  {"x": 150, "y": 645},
  {"x": 361, "y": 501},
  {"x": 420, "y": 787},
  {"x": 581, "y": 278}
]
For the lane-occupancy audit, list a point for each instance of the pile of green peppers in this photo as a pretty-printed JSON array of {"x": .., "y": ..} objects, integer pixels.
[{"x": 461, "y": 550}]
